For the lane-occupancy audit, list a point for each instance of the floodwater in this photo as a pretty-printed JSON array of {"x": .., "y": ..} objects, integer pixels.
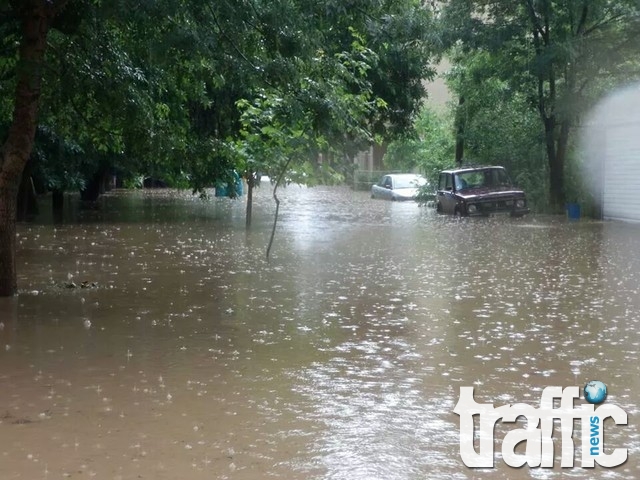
[{"x": 189, "y": 356}]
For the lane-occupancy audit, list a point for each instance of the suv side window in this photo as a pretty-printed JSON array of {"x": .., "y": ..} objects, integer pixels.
[{"x": 444, "y": 182}]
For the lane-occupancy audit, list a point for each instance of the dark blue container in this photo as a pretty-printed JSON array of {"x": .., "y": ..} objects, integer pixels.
[{"x": 573, "y": 211}]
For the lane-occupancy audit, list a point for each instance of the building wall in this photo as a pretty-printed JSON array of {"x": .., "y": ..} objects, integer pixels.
[
  {"x": 371, "y": 159},
  {"x": 611, "y": 147},
  {"x": 621, "y": 181},
  {"x": 438, "y": 98},
  {"x": 438, "y": 94}
]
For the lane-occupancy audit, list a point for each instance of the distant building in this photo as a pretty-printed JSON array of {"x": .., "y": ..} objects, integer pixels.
[
  {"x": 438, "y": 97},
  {"x": 370, "y": 159},
  {"x": 438, "y": 94}
]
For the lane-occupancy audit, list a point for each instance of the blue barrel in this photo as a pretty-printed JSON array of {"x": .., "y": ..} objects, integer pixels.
[
  {"x": 573, "y": 211},
  {"x": 225, "y": 190}
]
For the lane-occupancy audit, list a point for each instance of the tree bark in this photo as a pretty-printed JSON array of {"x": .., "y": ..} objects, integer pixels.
[
  {"x": 556, "y": 147},
  {"x": 36, "y": 17},
  {"x": 57, "y": 205},
  {"x": 27, "y": 198},
  {"x": 8, "y": 274},
  {"x": 460, "y": 131},
  {"x": 556, "y": 180},
  {"x": 556, "y": 154},
  {"x": 250, "y": 183}
]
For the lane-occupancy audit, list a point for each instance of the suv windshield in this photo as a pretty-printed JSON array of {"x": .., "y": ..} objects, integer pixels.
[{"x": 484, "y": 177}]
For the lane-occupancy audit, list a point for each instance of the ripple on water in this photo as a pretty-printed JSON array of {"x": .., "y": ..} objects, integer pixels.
[{"x": 341, "y": 357}]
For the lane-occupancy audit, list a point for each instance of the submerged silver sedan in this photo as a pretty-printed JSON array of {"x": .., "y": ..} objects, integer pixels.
[{"x": 398, "y": 186}]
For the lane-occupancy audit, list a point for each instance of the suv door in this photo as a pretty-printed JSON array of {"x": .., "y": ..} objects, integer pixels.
[{"x": 445, "y": 200}]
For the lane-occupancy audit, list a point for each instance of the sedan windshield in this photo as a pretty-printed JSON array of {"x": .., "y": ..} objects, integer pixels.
[{"x": 409, "y": 182}]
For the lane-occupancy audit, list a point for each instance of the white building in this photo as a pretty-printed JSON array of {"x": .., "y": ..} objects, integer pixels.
[{"x": 612, "y": 149}]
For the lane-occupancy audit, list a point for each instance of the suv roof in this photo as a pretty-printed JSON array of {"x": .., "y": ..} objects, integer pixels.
[{"x": 466, "y": 168}]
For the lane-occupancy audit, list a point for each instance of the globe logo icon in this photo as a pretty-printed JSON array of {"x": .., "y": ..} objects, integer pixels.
[{"x": 595, "y": 392}]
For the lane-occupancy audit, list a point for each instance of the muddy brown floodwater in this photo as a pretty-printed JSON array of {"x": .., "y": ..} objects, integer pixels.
[{"x": 342, "y": 358}]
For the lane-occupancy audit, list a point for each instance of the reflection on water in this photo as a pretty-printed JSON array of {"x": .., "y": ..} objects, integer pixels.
[{"x": 342, "y": 358}]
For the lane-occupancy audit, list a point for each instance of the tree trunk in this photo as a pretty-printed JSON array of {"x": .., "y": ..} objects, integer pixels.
[
  {"x": 556, "y": 182},
  {"x": 250, "y": 183},
  {"x": 36, "y": 17},
  {"x": 8, "y": 274},
  {"x": 460, "y": 131},
  {"x": 93, "y": 188},
  {"x": 27, "y": 198},
  {"x": 57, "y": 205},
  {"x": 556, "y": 153}
]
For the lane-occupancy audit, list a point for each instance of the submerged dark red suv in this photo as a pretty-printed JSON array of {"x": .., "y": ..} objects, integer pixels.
[{"x": 479, "y": 191}]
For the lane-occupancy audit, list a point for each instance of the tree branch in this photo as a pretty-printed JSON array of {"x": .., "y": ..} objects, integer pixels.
[
  {"x": 275, "y": 197},
  {"x": 534, "y": 17},
  {"x": 583, "y": 19},
  {"x": 229, "y": 39},
  {"x": 605, "y": 22}
]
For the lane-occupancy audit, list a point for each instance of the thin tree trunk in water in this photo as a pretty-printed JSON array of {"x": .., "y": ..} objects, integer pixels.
[
  {"x": 277, "y": 200},
  {"x": 8, "y": 274},
  {"x": 36, "y": 17},
  {"x": 250, "y": 183}
]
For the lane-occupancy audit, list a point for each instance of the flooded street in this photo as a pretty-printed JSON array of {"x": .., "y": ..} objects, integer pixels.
[{"x": 192, "y": 357}]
